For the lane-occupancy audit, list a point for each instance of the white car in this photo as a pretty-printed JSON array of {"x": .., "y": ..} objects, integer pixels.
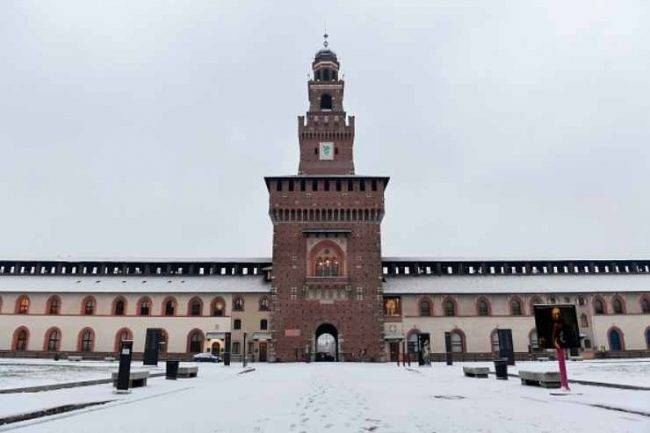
[{"x": 206, "y": 357}]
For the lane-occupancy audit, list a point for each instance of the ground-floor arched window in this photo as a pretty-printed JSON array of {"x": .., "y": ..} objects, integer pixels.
[
  {"x": 457, "y": 342},
  {"x": 86, "y": 340},
  {"x": 21, "y": 339},
  {"x": 122, "y": 335},
  {"x": 532, "y": 340},
  {"x": 412, "y": 342},
  {"x": 647, "y": 337},
  {"x": 53, "y": 340},
  {"x": 195, "y": 341},
  {"x": 494, "y": 341}
]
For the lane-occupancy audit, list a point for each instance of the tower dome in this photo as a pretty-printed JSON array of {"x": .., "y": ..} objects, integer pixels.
[{"x": 324, "y": 55}]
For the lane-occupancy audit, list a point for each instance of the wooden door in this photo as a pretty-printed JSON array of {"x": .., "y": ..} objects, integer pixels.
[{"x": 262, "y": 352}]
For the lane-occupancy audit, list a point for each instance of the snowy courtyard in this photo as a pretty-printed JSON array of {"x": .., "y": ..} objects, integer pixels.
[{"x": 332, "y": 398}]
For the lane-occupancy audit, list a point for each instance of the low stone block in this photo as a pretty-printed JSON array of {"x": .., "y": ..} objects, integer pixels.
[
  {"x": 137, "y": 379},
  {"x": 545, "y": 379},
  {"x": 476, "y": 371},
  {"x": 186, "y": 372},
  {"x": 75, "y": 358}
]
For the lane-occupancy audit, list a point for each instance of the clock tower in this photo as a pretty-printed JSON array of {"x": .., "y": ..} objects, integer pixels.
[
  {"x": 326, "y": 133},
  {"x": 327, "y": 272}
]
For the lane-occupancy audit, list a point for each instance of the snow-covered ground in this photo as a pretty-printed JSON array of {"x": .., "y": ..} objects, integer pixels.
[
  {"x": 337, "y": 398},
  {"x": 20, "y": 373}
]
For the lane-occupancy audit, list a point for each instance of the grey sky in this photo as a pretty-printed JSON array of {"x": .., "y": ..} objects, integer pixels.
[{"x": 143, "y": 128}]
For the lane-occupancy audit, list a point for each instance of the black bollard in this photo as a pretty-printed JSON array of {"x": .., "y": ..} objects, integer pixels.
[
  {"x": 171, "y": 371},
  {"x": 124, "y": 373}
]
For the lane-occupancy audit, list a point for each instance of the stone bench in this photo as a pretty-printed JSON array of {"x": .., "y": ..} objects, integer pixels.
[
  {"x": 576, "y": 358},
  {"x": 545, "y": 379},
  {"x": 136, "y": 379},
  {"x": 75, "y": 358},
  {"x": 109, "y": 359},
  {"x": 476, "y": 371},
  {"x": 542, "y": 358},
  {"x": 188, "y": 371}
]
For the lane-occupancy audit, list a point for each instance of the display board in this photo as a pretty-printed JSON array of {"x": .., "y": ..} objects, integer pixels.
[{"x": 557, "y": 326}]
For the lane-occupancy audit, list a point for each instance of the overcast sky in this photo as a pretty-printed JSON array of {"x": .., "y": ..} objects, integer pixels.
[{"x": 144, "y": 128}]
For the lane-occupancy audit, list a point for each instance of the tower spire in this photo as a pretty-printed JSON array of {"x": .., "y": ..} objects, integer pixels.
[{"x": 325, "y": 36}]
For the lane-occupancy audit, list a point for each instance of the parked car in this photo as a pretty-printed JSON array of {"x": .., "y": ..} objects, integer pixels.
[{"x": 206, "y": 357}]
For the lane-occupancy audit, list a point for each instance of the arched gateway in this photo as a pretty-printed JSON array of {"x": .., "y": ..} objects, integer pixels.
[{"x": 327, "y": 343}]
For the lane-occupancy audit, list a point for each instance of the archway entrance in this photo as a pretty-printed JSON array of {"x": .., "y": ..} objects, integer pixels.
[
  {"x": 327, "y": 343},
  {"x": 215, "y": 349},
  {"x": 615, "y": 341}
]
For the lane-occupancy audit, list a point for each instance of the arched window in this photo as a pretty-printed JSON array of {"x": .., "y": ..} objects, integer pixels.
[
  {"x": 195, "y": 341},
  {"x": 645, "y": 305},
  {"x": 617, "y": 305},
  {"x": 533, "y": 342},
  {"x": 587, "y": 343},
  {"x": 412, "y": 341},
  {"x": 616, "y": 342},
  {"x": 195, "y": 307},
  {"x": 425, "y": 306},
  {"x": 238, "y": 303},
  {"x": 218, "y": 307},
  {"x": 119, "y": 306},
  {"x": 327, "y": 267},
  {"x": 457, "y": 341},
  {"x": 264, "y": 325},
  {"x": 21, "y": 339},
  {"x": 86, "y": 340},
  {"x": 53, "y": 305},
  {"x": 236, "y": 324},
  {"x": 535, "y": 301},
  {"x": 264, "y": 303},
  {"x": 169, "y": 306},
  {"x": 515, "y": 307},
  {"x": 326, "y": 101},
  {"x": 483, "y": 307},
  {"x": 326, "y": 259},
  {"x": 53, "y": 340},
  {"x": 583, "y": 321},
  {"x": 88, "y": 306},
  {"x": 144, "y": 307},
  {"x": 647, "y": 337},
  {"x": 494, "y": 341},
  {"x": 326, "y": 74},
  {"x": 122, "y": 335},
  {"x": 599, "y": 306},
  {"x": 449, "y": 307},
  {"x": 22, "y": 305}
]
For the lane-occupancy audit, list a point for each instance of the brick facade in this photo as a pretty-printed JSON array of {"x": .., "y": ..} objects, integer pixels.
[{"x": 327, "y": 209}]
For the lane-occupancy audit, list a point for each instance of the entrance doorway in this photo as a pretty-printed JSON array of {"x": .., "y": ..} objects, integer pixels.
[
  {"x": 215, "y": 349},
  {"x": 327, "y": 343},
  {"x": 393, "y": 347},
  {"x": 262, "y": 352}
]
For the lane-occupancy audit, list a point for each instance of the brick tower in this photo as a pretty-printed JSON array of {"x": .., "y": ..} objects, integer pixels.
[{"x": 327, "y": 274}]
